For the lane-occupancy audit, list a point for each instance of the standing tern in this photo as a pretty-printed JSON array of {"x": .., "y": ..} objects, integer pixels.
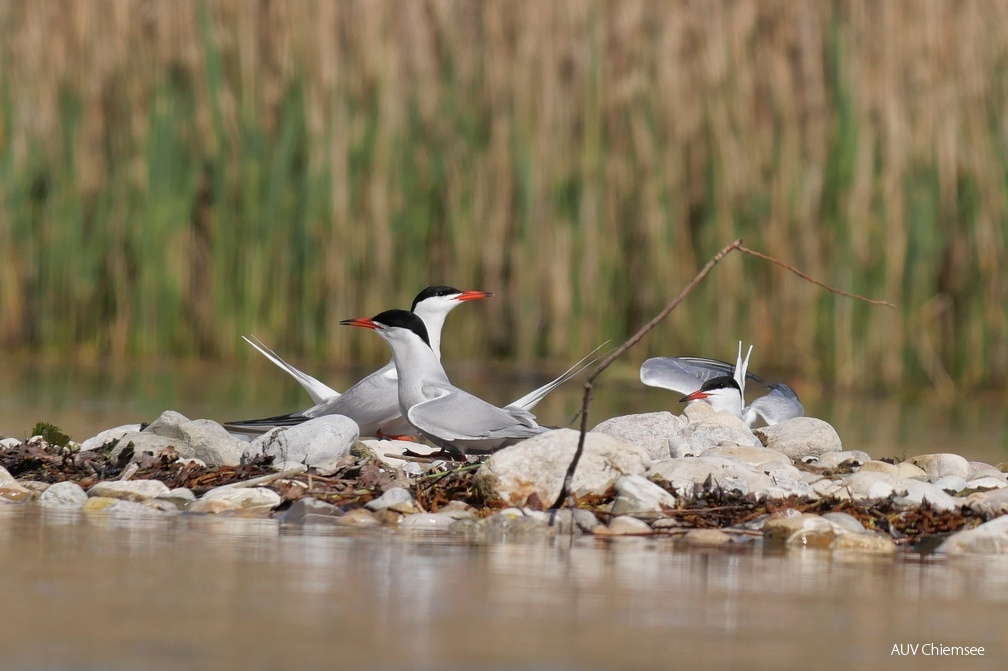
[
  {"x": 372, "y": 401},
  {"x": 722, "y": 385},
  {"x": 446, "y": 415}
]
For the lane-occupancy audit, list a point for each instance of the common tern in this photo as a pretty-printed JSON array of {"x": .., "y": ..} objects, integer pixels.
[
  {"x": 371, "y": 402},
  {"x": 722, "y": 385},
  {"x": 446, "y": 415}
]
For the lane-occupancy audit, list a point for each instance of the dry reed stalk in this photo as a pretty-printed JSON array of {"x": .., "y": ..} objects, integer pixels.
[{"x": 575, "y": 157}]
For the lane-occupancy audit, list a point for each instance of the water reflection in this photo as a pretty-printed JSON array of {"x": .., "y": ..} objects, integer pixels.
[{"x": 206, "y": 592}]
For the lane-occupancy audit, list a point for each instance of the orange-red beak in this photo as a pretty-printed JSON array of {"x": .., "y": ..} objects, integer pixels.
[
  {"x": 695, "y": 396},
  {"x": 363, "y": 322},
  {"x": 473, "y": 295}
]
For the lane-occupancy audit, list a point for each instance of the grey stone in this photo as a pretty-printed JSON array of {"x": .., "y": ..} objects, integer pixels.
[
  {"x": 539, "y": 464},
  {"x": 993, "y": 502},
  {"x": 848, "y": 522},
  {"x": 6, "y": 479},
  {"x": 787, "y": 481},
  {"x": 11, "y": 491},
  {"x": 988, "y": 538},
  {"x": 7, "y": 443},
  {"x": 908, "y": 470},
  {"x": 573, "y": 521},
  {"x": 871, "y": 485},
  {"x": 801, "y": 437},
  {"x": 937, "y": 465},
  {"x": 183, "y": 494},
  {"x": 979, "y": 469},
  {"x": 308, "y": 510},
  {"x": 986, "y": 482},
  {"x": 757, "y": 457},
  {"x": 879, "y": 467},
  {"x": 394, "y": 496},
  {"x": 63, "y": 495},
  {"x": 108, "y": 436},
  {"x": 317, "y": 442},
  {"x": 257, "y": 498},
  {"x": 391, "y": 452},
  {"x": 141, "y": 443},
  {"x": 812, "y": 531},
  {"x": 650, "y": 430},
  {"x": 707, "y": 537},
  {"x": 637, "y": 494},
  {"x": 718, "y": 428},
  {"x": 515, "y": 525},
  {"x": 201, "y": 439},
  {"x": 130, "y": 490},
  {"x": 213, "y": 506},
  {"x": 439, "y": 521},
  {"x": 951, "y": 484},
  {"x": 866, "y": 543},
  {"x": 689, "y": 473},
  {"x": 359, "y": 517},
  {"x": 698, "y": 412},
  {"x": 125, "y": 507},
  {"x": 844, "y": 458},
  {"x": 624, "y": 526}
]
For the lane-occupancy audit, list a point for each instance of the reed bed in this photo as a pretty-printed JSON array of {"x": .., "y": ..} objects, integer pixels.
[{"x": 173, "y": 175}]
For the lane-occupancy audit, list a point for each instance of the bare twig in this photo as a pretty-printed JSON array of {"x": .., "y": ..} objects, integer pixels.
[
  {"x": 634, "y": 339},
  {"x": 565, "y": 491},
  {"x": 761, "y": 255}
]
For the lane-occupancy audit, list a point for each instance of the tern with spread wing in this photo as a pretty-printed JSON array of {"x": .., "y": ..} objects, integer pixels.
[
  {"x": 446, "y": 415},
  {"x": 722, "y": 385}
]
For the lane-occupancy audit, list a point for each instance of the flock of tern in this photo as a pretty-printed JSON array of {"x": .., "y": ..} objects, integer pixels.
[{"x": 411, "y": 396}]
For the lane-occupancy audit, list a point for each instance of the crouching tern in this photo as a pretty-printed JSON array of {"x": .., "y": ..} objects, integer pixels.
[
  {"x": 449, "y": 417},
  {"x": 722, "y": 385}
]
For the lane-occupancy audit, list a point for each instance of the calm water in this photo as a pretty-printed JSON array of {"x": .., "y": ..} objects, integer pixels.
[
  {"x": 83, "y": 593},
  {"x": 85, "y": 398},
  {"x": 196, "y": 592}
]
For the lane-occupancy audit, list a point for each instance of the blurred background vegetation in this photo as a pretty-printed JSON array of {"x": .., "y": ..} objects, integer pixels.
[{"x": 175, "y": 174}]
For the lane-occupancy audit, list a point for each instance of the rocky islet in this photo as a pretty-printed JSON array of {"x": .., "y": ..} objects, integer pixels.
[{"x": 703, "y": 477}]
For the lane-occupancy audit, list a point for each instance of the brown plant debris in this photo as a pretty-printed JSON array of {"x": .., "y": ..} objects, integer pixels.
[{"x": 358, "y": 481}]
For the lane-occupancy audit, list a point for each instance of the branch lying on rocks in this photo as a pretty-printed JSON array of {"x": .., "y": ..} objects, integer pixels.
[{"x": 736, "y": 245}]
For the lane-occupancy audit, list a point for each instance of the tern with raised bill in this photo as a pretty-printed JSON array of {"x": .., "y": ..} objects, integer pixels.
[{"x": 722, "y": 385}]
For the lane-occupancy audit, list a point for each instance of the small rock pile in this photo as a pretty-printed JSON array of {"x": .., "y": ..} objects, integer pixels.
[{"x": 703, "y": 476}]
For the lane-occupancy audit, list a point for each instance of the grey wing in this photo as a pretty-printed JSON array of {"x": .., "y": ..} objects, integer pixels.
[
  {"x": 457, "y": 415},
  {"x": 319, "y": 391},
  {"x": 371, "y": 402},
  {"x": 780, "y": 404},
  {"x": 714, "y": 368},
  {"x": 682, "y": 374}
]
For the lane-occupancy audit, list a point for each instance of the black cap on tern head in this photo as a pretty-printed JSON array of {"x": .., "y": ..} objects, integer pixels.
[
  {"x": 719, "y": 382},
  {"x": 432, "y": 291},
  {"x": 403, "y": 319},
  {"x": 442, "y": 291},
  {"x": 399, "y": 318}
]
